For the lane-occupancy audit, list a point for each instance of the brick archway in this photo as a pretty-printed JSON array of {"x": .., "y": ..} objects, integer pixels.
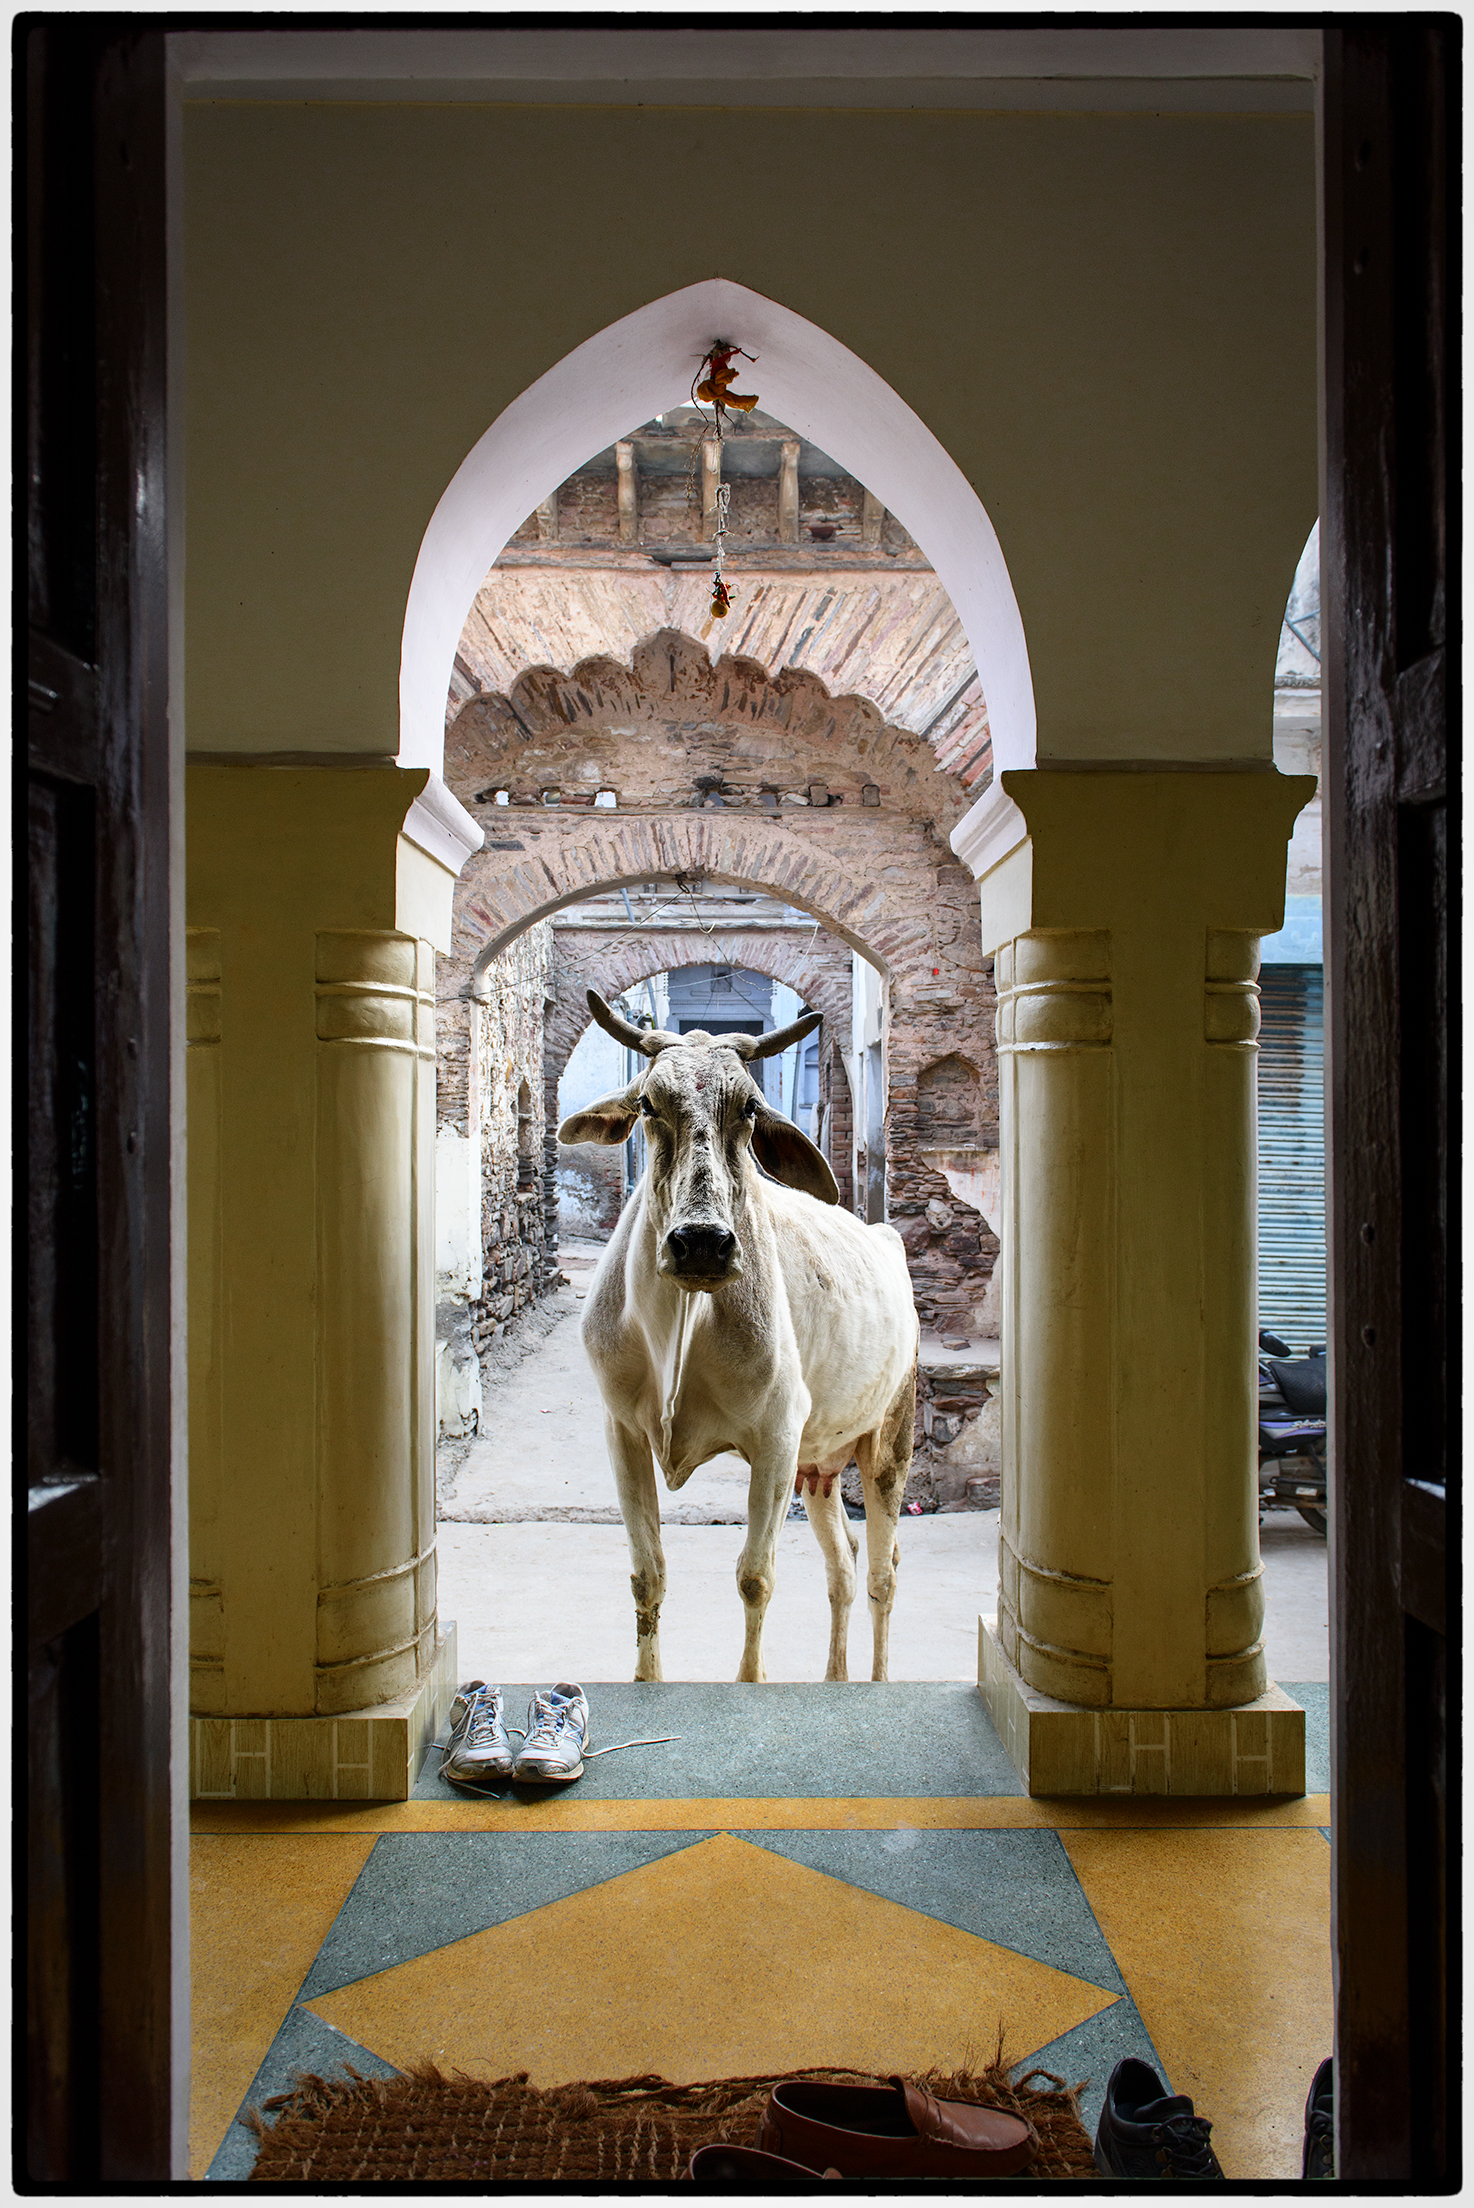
[
  {"x": 724, "y": 773},
  {"x": 496, "y": 906},
  {"x": 614, "y": 967},
  {"x": 720, "y": 772}
]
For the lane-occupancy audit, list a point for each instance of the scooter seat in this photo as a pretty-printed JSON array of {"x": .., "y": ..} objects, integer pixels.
[{"x": 1302, "y": 1383}]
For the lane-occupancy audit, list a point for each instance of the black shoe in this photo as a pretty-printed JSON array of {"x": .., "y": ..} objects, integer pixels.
[
  {"x": 1319, "y": 2159},
  {"x": 1145, "y": 2131}
]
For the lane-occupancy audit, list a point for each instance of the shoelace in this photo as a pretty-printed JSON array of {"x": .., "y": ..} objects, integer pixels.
[
  {"x": 1182, "y": 2146},
  {"x": 550, "y": 1721},
  {"x": 661, "y": 1740},
  {"x": 483, "y": 1722}
]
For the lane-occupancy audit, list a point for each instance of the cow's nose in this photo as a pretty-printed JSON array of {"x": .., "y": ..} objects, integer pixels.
[{"x": 701, "y": 1249}]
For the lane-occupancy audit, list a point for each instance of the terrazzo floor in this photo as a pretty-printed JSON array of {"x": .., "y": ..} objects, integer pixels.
[{"x": 806, "y": 1876}]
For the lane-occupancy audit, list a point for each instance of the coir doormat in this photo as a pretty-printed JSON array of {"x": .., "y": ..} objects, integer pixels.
[{"x": 421, "y": 2124}]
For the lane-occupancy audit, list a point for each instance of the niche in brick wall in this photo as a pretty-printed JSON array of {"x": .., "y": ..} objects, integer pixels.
[
  {"x": 948, "y": 1244},
  {"x": 949, "y": 1105}
]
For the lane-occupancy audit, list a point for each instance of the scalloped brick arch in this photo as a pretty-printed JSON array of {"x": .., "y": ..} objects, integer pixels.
[
  {"x": 671, "y": 677},
  {"x": 636, "y": 368}
]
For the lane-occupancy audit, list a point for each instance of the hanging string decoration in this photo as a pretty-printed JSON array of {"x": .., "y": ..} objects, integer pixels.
[
  {"x": 721, "y": 597},
  {"x": 714, "y": 389}
]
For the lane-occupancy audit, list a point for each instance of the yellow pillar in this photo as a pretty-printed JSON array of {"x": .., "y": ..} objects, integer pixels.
[
  {"x": 1124, "y": 909},
  {"x": 317, "y": 897}
]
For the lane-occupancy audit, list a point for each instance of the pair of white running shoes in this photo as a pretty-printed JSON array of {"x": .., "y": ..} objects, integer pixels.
[{"x": 480, "y": 1753}]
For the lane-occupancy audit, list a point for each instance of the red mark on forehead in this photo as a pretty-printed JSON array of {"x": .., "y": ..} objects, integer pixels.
[{"x": 700, "y": 1086}]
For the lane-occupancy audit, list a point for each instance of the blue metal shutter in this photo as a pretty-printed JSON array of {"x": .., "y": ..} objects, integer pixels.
[{"x": 1292, "y": 1155}]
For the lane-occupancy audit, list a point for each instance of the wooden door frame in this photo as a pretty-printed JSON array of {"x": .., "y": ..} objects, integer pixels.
[
  {"x": 103, "y": 2023},
  {"x": 1389, "y": 567}
]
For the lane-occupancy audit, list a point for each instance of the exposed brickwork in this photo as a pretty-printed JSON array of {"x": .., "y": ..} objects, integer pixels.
[
  {"x": 669, "y": 507},
  {"x": 721, "y": 773},
  {"x": 952, "y": 1102},
  {"x": 839, "y": 1119},
  {"x": 489, "y": 1050}
]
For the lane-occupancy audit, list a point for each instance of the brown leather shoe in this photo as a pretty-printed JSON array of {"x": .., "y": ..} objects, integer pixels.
[
  {"x": 750, "y": 2169},
  {"x": 895, "y": 2131}
]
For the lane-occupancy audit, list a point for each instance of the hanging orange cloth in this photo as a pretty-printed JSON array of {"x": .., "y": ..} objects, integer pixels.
[{"x": 716, "y": 386}]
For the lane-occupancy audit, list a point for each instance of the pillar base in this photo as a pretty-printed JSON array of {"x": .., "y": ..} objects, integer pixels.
[
  {"x": 1063, "y": 1748},
  {"x": 371, "y": 1755}
]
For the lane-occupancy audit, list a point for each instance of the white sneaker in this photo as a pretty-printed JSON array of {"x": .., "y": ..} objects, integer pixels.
[
  {"x": 557, "y": 1735},
  {"x": 478, "y": 1750}
]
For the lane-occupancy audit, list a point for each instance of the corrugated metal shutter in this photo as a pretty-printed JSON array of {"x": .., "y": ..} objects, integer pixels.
[{"x": 1292, "y": 1155}]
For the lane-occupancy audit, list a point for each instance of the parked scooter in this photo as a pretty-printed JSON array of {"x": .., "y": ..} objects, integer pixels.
[{"x": 1292, "y": 1430}]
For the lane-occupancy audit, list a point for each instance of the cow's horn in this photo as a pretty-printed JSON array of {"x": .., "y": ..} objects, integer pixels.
[
  {"x": 650, "y": 1040},
  {"x": 767, "y": 1046}
]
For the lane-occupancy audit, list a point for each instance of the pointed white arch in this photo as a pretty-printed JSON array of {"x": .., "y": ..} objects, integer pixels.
[{"x": 639, "y": 367}]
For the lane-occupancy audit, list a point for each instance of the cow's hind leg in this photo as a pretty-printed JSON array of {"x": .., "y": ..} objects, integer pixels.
[
  {"x": 639, "y": 1506},
  {"x": 840, "y": 1548},
  {"x": 884, "y": 1458}
]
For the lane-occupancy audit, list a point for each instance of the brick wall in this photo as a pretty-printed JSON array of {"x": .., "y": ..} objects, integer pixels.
[
  {"x": 947, "y": 1102},
  {"x": 670, "y": 511},
  {"x": 839, "y": 1117},
  {"x": 489, "y": 1051}
]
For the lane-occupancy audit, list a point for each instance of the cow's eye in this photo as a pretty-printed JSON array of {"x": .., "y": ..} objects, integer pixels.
[
  {"x": 647, "y": 1109},
  {"x": 749, "y": 1109}
]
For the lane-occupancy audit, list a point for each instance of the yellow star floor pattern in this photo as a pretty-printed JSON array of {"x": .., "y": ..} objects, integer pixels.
[{"x": 701, "y": 1910}]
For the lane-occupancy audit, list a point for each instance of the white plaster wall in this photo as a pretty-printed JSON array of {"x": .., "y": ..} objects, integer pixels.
[
  {"x": 594, "y": 1069},
  {"x": 787, "y": 1006},
  {"x": 458, "y": 1403},
  {"x": 458, "y": 1280},
  {"x": 457, "y": 1215},
  {"x": 867, "y": 1051}
]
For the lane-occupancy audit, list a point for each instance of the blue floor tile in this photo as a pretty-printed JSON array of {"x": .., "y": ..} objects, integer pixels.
[
  {"x": 1314, "y": 1698},
  {"x": 304, "y": 2044},
  {"x": 1017, "y": 1889},
  {"x": 421, "y": 1890}
]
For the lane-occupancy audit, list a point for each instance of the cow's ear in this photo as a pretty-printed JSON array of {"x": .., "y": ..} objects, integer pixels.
[
  {"x": 610, "y": 1120},
  {"x": 780, "y": 1149}
]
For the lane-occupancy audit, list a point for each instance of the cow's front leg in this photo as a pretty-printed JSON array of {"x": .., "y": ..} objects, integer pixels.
[
  {"x": 832, "y": 1532},
  {"x": 768, "y": 1492},
  {"x": 639, "y": 1506}
]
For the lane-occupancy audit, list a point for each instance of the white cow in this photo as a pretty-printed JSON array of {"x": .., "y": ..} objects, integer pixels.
[{"x": 737, "y": 1311}]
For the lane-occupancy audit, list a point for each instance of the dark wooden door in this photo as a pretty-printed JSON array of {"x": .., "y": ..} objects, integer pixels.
[
  {"x": 1389, "y": 573},
  {"x": 96, "y": 926}
]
